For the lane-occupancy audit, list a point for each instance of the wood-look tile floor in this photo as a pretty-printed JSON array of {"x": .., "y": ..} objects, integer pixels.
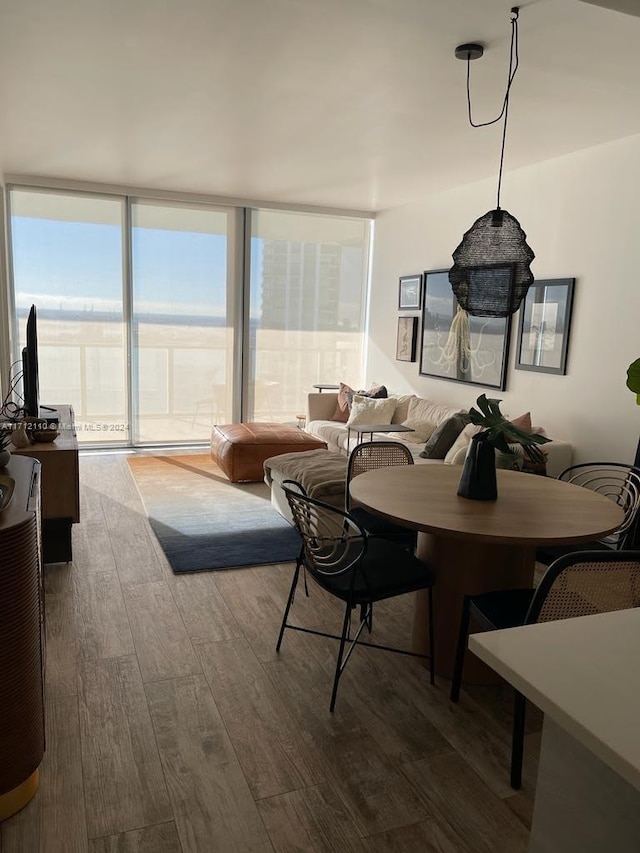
[{"x": 174, "y": 727}]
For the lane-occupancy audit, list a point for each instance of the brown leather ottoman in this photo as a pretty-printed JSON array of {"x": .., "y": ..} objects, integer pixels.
[{"x": 240, "y": 449}]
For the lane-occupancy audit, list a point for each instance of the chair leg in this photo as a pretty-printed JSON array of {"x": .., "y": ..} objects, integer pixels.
[
  {"x": 461, "y": 648},
  {"x": 292, "y": 593},
  {"x": 432, "y": 641},
  {"x": 366, "y": 615},
  {"x": 517, "y": 744},
  {"x": 343, "y": 640},
  {"x": 300, "y": 561}
]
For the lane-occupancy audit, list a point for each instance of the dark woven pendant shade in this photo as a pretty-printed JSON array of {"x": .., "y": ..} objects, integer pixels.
[{"x": 491, "y": 267}]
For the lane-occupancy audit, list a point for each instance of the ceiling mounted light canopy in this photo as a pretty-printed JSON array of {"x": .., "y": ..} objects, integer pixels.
[{"x": 491, "y": 267}]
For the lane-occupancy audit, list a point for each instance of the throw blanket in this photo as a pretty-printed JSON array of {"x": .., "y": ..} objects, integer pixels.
[{"x": 321, "y": 473}]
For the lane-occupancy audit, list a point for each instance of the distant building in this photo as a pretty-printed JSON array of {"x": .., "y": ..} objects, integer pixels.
[{"x": 301, "y": 286}]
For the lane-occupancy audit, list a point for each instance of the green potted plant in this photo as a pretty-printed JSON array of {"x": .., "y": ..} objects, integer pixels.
[
  {"x": 633, "y": 378},
  {"x": 478, "y": 480},
  {"x": 633, "y": 384}
]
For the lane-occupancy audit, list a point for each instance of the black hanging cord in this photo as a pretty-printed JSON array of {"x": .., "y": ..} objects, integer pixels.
[
  {"x": 513, "y": 67},
  {"x": 9, "y": 410}
]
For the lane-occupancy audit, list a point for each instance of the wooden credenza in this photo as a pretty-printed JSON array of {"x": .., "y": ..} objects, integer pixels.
[
  {"x": 60, "y": 487},
  {"x": 21, "y": 639}
]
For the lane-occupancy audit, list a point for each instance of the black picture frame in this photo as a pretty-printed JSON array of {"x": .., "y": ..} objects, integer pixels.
[
  {"x": 407, "y": 340},
  {"x": 410, "y": 293},
  {"x": 544, "y": 325},
  {"x": 457, "y": 346}
]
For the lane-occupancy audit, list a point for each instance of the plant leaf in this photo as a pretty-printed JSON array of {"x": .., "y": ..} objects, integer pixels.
[
  {"x": 633, "y": 378},
  {"x": 500, "y": 431}
]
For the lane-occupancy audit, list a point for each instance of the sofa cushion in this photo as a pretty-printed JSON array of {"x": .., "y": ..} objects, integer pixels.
[
  {"x": 341, "y": 413},
  {"x": 420, "y": 419},
  {"x": 402, "y": 408},
  {"x": 366, "y": 410},
  {"x": 523, "y": 422},
  {"x": 429, "y": 412},
  {"x": 376, "y": 392},
  {"x": 443, "y": 438},
  {"x": 459, "y": 447},
  {"x": 321, "y": 473},
  {"x": 345, "y": 399},
  {"x": 415, "y": 437}
]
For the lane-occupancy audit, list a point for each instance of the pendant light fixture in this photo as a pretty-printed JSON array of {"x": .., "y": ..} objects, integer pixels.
[{"x": 491, "y": 267}]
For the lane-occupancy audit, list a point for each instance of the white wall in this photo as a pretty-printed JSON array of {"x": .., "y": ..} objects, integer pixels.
[{"x": 581, "y": 214}]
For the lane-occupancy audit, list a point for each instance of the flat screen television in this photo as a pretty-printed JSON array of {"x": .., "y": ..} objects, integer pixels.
[{"x": 30, "y": 367}]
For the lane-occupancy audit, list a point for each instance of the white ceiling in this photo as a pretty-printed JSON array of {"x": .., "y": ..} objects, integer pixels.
[{"x": 354, "y": 104}]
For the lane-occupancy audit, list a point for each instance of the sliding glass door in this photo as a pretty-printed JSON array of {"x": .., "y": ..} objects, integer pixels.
[
  {"x": 182, "y": 322},
  {"x": 308, "y": 287},
  {"x": 67, "y": 257}
]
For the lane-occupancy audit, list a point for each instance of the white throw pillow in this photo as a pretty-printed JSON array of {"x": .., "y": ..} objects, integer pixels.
[
  {"x": 365, "y": 410},
  {"x": 459, "y": 447}
]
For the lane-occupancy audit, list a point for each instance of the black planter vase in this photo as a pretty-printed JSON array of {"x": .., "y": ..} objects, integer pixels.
[{"x": 478, "y": 480}]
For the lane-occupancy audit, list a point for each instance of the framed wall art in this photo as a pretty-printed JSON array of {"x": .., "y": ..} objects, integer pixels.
[
  {"x": 407, "y": 339},
  {"x": 457, "y": 346},
  {"x": 544, "y": 324},
  {"x": 410, "y": 293}
]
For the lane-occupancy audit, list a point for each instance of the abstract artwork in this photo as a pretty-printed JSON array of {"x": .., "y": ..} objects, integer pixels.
[{"x": 456, "y": 345}]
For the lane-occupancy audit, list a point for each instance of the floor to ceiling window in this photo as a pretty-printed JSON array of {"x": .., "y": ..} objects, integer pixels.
[
  {"x": 141, "y": 319},
  {"x": 67, "y": 257},
  {"x": 183, "y": 337},
  {"x": 308, "y": 286}
]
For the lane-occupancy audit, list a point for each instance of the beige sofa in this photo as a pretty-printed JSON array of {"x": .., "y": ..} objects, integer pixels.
[
  {"x": 324, "y": 472},
  {"x": 320, "y": 409}
]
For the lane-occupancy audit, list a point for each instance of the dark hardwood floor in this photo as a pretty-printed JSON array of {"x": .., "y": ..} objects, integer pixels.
[{"x": 173, "y": 726}]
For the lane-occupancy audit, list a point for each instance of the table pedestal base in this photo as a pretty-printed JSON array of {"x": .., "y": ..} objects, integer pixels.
[
  {"x": 18, "y": 797},
  {"x": 464, "y": 567}
]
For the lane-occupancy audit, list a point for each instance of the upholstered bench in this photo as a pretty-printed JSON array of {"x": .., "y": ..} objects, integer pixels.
[
  {"x": 322, "y": 474},
  {"x": 241, "y": 449}
]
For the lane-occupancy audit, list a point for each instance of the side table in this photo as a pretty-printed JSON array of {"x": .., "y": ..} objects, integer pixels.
[
  {"x": 369, "y": 429},
  {"x": 60, "y": 487},
  {"x": 322, "y": 387}
]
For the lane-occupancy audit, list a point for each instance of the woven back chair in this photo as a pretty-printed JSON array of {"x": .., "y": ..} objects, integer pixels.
[
  {"x": 336, "y": 555},
  {"x": 367, "y": 456},
  {"x": 579, "y": 584},
  {"x": 375, "y": 454},
  {"x": 618, "y": 482}
]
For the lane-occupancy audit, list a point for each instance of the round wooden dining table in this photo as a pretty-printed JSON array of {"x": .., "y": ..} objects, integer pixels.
[{"x": 478, "y": 546}]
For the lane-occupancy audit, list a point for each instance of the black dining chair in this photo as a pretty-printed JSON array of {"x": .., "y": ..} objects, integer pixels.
[
  {"x": 578, "y": 584},
  {"x": 367, "y": 456},
  {"x": 340, "y": 557},
  {"x": 615, "y": 480}
]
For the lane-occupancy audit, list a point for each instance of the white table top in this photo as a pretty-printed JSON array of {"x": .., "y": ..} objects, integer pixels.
[{"x": 584, "y": 673}]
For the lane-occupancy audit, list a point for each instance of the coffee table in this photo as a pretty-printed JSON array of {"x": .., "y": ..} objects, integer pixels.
[{"x": 478, "y": 546}]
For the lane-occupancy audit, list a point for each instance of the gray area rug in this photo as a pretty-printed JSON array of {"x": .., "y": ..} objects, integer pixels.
[{"x": 203, "y": 522}]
